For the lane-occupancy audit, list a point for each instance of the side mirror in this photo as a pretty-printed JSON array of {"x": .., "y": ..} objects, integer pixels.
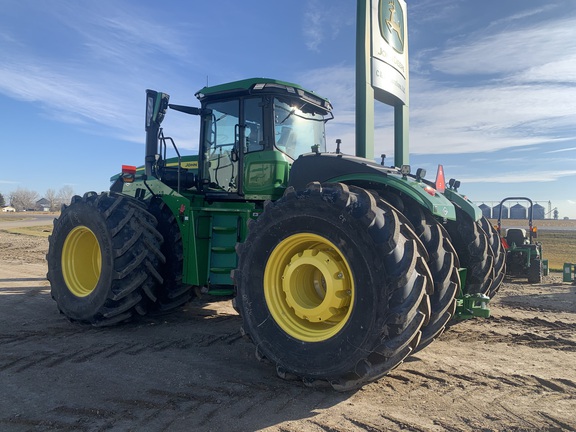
[{"x": 156, "y": 105}]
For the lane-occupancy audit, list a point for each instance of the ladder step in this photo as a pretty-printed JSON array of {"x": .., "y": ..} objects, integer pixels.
[
  {"x": 224, "y": 229},
  {"x": 220, "y": 249},
  {"x": 221, "y": 270}
]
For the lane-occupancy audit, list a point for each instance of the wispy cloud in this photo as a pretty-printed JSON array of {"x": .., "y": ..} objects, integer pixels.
[
  {"x": 100, "y": 78},
  {"x": 313, "y": 31},
  {"x": 324, "y": 21},
  {"x": 115, "y": 34},
  {"x": 509, "y": 50},
  {"x": 561, "y": 150},
  {"x": 521, "y": 177},
  {"x": 522, "y": 100},
  {"x": 521, "y": 93}
]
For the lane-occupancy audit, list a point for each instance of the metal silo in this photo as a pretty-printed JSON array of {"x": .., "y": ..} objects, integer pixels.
[
  {"x": 486, "y": 210},
  {"x": 538, "y": 212},
  {"x": 496, "y": 212},
  {"x": 518, "y": 211}
]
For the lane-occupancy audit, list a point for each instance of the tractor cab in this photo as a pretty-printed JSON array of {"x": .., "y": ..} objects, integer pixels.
[{"x": 251, "y": 132}]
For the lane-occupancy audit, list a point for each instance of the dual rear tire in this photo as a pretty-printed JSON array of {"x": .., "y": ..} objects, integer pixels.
[
  {"x": 332, "y": 286},
  {"x": 103, "y": 257},
  {"x": 112, "y": 257}
]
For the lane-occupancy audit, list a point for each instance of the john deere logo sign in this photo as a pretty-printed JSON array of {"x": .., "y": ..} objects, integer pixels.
[
  {"x": 392, "y": 26},
  {"x": 389, "y": 51}
]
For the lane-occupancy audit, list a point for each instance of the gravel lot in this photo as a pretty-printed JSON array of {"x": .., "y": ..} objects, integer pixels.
[{"x": 191, "y": 369}]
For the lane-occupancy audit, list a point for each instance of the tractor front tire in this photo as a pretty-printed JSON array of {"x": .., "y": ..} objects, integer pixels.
[
  {"x": 495, "y": 243},
  {"x": 102, "y": 259},
  {"x": 474, "y": 252},
  {"x": 442, "y": 261},
  {"x": 332, "y": 287}
]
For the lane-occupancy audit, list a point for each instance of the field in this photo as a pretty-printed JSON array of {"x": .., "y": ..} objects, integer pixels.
[
  {"x": 558, "y": 247},
  {"x": 191, "y": 370}
]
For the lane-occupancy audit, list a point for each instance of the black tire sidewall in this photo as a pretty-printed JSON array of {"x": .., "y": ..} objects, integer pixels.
[
  {"x": 358, "y": 334},
  {"x": 81, "y": 308}
]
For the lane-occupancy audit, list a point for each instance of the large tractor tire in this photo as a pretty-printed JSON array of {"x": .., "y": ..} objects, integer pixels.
[
  {"x": 495, "y": 243},
  {"x": 474, "y": 252},
  {"x": 442, "y": 261},
  {"x": 102, "y": 259},
  {"x": 331, "y": 286},
  {"x": 173, "y": 292}
]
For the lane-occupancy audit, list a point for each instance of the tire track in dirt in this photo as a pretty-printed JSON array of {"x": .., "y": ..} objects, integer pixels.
[
  {"x": 454, "y": 391},
  {"x": 529, "y": 339},
  {"x": 199, "y": 404},
  {"x": 44, "y": 348},
  {"x": 449, "y": 378},
  {"x": 533, "y": 332}
]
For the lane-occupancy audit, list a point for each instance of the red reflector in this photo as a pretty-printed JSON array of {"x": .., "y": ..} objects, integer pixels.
[
  {"x": 440, "y": 180},
  {"x": 430, "y": 190},
  {"x": 128, "y": 169},
  {"x": 128, "y": 173}
]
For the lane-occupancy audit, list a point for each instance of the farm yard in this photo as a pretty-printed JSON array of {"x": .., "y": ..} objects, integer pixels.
[{"x": 191, "y": 369}]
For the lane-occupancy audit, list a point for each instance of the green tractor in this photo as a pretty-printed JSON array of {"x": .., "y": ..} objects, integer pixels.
[
  {"x": 340, "y": 267},
  {"x": 523, "y": 254}
]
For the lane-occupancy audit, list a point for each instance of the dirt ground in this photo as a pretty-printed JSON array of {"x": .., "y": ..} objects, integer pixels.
[{"x": 191, "y": 370}]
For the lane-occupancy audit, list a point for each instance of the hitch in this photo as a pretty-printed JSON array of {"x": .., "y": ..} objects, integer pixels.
[{"x": 472, "y": 305}]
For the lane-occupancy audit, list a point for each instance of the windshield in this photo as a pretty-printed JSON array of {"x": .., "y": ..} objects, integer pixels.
[{"x": 298, "y": 127}]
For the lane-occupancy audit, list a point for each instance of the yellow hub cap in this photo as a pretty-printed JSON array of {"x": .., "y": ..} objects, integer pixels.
[
  {"x": 81, "y": 261},
  {"x": 308, "y": 287}
]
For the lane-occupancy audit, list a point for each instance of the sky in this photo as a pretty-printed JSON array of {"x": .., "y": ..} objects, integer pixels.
[{"x": 492, "y": 85}]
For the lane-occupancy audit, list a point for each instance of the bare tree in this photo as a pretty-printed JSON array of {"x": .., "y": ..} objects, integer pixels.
[
  {"x": 52, "y": 198},
  {"x": 23, "y": 199},
  {"x": 2, "y": 201},
  {"x": 65, "y": 195}
]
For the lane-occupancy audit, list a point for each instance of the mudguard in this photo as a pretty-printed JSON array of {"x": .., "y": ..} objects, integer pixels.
[{"x": 337, "y": 167}]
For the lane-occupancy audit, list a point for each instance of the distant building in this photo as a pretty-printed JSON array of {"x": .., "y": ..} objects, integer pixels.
[
  {"x": 496, "y": 212},
  {"x": 486, "y": 210},
  {"x": 538, "y": 212},
  {"x": 42, "y": 205},
  {"x": 8, "y": 209},
  {"x": 518, "y": 211}
]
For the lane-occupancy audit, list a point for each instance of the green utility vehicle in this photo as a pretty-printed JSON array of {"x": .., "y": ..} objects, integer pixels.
[
  {"x": 523, "y": 254},
  {"x": 339, "y": 266}
]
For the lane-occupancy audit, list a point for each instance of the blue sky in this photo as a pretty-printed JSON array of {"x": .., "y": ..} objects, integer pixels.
[{"x": 492, "y": 96}]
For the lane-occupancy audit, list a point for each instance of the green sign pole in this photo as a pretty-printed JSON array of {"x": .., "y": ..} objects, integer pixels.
[
  {"x": 373, "y": 68},
  {"x": 364, "y": 90},
  {"x": 401, "y": 143}
]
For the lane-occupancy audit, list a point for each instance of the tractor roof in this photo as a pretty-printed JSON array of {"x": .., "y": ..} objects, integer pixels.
[{"x": 254, "y": 85}]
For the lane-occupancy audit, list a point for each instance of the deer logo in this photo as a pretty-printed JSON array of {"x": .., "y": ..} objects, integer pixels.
[{"x": 392, "y": 24}]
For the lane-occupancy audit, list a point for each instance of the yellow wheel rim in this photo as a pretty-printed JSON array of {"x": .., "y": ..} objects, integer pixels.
[
  {"x": 308, "y": 287},
  {"x": 81, "y": 261}
]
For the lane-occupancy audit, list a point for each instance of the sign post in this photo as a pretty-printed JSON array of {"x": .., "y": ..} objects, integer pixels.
[{"x": 382, "y": 72}]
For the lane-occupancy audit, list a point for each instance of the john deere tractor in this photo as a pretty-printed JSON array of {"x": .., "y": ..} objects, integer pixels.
[
  {"x": 340, "y": 267},
  {"x": 523, "y": 254}
]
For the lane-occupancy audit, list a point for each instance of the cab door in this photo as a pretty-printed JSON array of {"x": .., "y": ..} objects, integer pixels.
[{"x": 234, "y": 128}]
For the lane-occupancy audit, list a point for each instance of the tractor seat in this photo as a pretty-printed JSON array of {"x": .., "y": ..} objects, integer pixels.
[{"x": 517, "y": 236}]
